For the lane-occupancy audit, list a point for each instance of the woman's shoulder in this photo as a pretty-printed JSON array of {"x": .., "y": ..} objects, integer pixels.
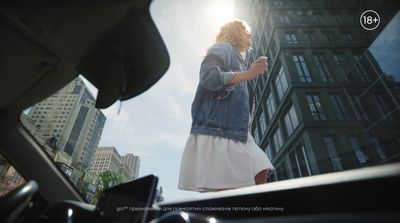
[
  {"x": 223, "y": 45},
  {"x": 224, "y": 49}
]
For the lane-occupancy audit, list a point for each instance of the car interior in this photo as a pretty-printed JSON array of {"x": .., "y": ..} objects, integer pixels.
[{"x": 120, "y": 51}]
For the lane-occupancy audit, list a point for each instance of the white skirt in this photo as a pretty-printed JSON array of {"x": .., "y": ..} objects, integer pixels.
[{"x": 210, "y": 163}]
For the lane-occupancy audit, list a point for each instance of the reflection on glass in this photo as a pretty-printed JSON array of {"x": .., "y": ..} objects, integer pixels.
[
  {"x": 361, "y": 156},
  {"x": 322, "y": 66},
  {"x": 278, "y": 142},
  {"x": 316, "y": 109},
  {"x": 298, "y": 162},
  {"x": 291, "y": 120},
  {"x": 302, "y": 68},
  {"x": 281, "y": 83},
  {"x": 385, "y": 49},
  {"x": 378, "y": 148},
  {"x": 330, "y": 146}
]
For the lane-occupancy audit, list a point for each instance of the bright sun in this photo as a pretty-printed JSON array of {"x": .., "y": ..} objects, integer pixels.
[{"x": 220, "y": 12}]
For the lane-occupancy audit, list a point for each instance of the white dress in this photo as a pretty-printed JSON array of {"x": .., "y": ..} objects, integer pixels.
[{"x": 210, "y": 163}]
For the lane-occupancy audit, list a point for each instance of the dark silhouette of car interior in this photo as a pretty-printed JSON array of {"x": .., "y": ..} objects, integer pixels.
[{"x": 117, "y": 47}]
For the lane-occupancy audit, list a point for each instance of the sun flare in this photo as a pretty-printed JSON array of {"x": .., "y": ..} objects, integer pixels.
[{"x": 220, "y": 12}]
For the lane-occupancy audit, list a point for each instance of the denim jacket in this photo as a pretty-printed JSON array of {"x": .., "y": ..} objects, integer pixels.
[{"x": 220, "y": 109}]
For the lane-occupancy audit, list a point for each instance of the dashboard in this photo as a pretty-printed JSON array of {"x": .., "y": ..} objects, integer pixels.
[{"x": 365, "y": 195}]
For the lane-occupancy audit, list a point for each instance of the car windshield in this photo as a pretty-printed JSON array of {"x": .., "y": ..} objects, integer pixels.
[{"x": 329, "y": 101}]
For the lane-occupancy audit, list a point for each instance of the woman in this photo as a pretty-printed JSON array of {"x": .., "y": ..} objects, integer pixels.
[{"x": 220, "y": 153}]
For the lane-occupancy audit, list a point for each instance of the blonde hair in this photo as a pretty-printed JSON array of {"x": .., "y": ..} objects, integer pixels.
[{"x": 230, "y": 32}]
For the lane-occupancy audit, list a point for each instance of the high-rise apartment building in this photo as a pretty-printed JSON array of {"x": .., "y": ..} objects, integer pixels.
[
  {"x": 136, "y": 168},
  {"x": 105, "y": 159},
  {"x": 9, "y": 177},
  {"x": 108, "y": 159},
  {"x": 132, "y": 164},
  {"x": 70, "y": 118},
  {"x": 326, "y": 103}
]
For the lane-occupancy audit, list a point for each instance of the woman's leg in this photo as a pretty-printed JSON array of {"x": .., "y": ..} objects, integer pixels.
[{"x": 261, "y": 177}]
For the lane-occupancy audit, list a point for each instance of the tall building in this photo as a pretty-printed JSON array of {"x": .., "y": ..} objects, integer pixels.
[
  {"x": 159, "y": 197},
  {"x": 326, "y": 103},
  {"x": 136, "y": 161},
  {"x": 70, "y": 118},
  {"x": 106, "y": 159},
  {"x": 132, "y": 164},
  {"x": 9, "y": 177}
]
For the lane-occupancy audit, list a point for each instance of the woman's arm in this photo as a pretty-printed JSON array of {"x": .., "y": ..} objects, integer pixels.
[{"x": 212, "y": 75}]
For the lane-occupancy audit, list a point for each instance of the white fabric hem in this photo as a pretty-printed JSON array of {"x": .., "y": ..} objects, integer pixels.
[{"x": 214, "y": 163}]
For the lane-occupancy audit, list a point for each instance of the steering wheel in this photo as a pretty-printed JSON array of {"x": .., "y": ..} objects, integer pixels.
[{"x": 13, "y": 204}]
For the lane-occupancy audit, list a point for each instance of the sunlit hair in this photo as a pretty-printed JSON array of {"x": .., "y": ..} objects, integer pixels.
[{"x": 230, "y": 32}]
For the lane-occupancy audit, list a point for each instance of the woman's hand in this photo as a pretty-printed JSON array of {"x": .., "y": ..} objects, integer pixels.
[{"x": 257, "y": 68}]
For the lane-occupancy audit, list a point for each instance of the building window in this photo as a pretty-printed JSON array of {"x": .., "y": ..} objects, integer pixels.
[
  {"x": 339, "y": 107},
  {"x": 364, "y": 77},
  {"x": 298, "y": 162},
  {"x": 282, "y": 170},
  {"x": 339, "y": 60},
  {"x": 273, "y": 49},
  {"x": 378, "y": 148},
  {"x": 291, "y": 120},
  {"x": 327, "y": 36},
  {"x": 269, "y": 152},
  {"x": 14, "y": 177},
  {"x": 359, "y": 108},
  {"x": 323, "y": 68},
  {"x": 347, "y": 36},
  {"x": 336, "y": 16},
  {"x": 310, "y": 37},
  {"x": 259, "y": 88},
  {"x": 76, "y": 130},
  {"x": 263, "y": 123},
  {"x": 302, "y": 69},
  {"x": 318, "y": 17},
  {"x": 382, "y": 107},
  {"x": 256, "y": 135},
  {"x": 362, "y": 158},
  {"x": 284, "y": 19},
  {"x": 316, "y": 109},
  {"x": 278, "y": 140},
  {"x": 271, "y": 107},
  {"x": 2, "y": 167},
  {"x": 332, "y": 152},
  {"x": 300, "y": 16},
  {"x": 281, "y": 83},
  {"x": 291, "y": 37},
  {"x": 278, "y": 3}
]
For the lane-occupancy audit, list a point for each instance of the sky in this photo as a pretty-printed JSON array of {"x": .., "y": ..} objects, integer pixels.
[
  {"x": 156, "y": 124},
  {"x": 386, "y": 48}
]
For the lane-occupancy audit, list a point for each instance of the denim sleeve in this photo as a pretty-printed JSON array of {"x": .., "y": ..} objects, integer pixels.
[{"x": 214, "y": 73}]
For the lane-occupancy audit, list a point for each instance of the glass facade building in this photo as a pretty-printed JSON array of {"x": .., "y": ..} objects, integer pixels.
[{"x": 330, "y": 99}]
